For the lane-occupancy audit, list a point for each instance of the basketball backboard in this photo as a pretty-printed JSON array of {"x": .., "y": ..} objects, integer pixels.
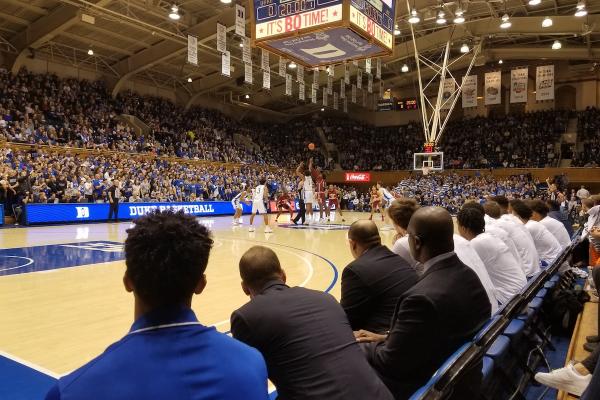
[{"x": 433, "y": 161}]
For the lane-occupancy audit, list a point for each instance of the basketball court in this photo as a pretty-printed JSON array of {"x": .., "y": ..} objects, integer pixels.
[{"x": 63, "y": 300}]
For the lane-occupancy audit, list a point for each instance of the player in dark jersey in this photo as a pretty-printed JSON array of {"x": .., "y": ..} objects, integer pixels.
[
  {"x": 333, "y": 198},
  {"x": 375, "y": 202},
  {"x": 284, "y": 203}
]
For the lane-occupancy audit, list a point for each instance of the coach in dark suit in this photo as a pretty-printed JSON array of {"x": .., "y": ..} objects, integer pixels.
[
  {"x": 432, "y": 320},
  {"x": 303, "y": 334},
  {"x": 374, "y": 281}
]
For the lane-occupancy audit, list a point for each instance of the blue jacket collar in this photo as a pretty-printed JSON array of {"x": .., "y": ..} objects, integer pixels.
[{"x": 163, "y": 316}]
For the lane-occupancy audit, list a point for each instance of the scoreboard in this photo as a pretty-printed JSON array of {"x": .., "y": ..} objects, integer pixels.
[{"x": 323, "y": 32}]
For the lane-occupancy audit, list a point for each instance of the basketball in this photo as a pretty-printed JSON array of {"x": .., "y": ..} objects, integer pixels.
[{"x": 311, "y": 146}]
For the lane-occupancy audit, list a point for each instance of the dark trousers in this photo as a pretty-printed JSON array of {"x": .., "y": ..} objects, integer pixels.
[
  {"x": 113, "y": 208},
  {"x": 301, "y": 211},
  {"x": 590, "y": 362}
]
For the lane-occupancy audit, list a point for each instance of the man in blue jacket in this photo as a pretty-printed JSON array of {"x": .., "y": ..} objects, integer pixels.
[{"x": 168, "y": 354}]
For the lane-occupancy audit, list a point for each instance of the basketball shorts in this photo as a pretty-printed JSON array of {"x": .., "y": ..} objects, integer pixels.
[
  {"x": 258, "y": 207},
  {"x": 309, "y": 197},
  {"x": 284, "y": 205},
  {"x": 334, "y": 203},
  {"x": 237, "y": 205}
]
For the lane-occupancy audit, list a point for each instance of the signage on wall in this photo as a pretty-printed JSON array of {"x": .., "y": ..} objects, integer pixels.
[{"x": 357, "y": 177}]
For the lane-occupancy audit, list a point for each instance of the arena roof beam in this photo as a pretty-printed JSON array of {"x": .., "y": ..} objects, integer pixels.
[
  {"x": 95, "y": 43},
  {"x": 30, "y": 7},
  {"x": 45, "y": 29}
]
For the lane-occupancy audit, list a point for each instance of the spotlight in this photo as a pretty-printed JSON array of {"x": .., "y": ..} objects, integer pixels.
[
  {"x": 247, "y": 96},
  {"x": 505, "y": 22},
  {"x": 189, "y": 80},
  {"x": 404, "y": 68},
  {"x": 464, "y": 48},
  {"x": 241, "y": 44},
  {"x": 292, "y": 65},
  {"x": 414, "y": 17},
  {"x": 556, "y": 45},
  {"x": 174, "y": 15},
  {"x": 90, "y": 52},
  {"x": 322, "y": 109},
  {"x": 547, "y": 22},
  {"x": 534, "y": 2},
  {"x": 581, "y": 11},
  {"x": 441, "y": 18},
  {"x": 226, "y": 1},
  {"x": 459, "y": 18},
  {"x": 396, "y": 30},
  {"x": 500, "y": 61}
]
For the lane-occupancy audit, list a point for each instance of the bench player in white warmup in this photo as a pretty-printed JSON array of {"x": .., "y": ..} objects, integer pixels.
[{"x": 260, "y": 195}]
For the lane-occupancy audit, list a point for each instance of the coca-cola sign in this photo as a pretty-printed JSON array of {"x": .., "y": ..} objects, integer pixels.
[{"x": 357, "y": 177}]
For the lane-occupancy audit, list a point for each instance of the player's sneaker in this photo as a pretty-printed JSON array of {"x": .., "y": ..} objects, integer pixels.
[
  {"x": 234, "y": 222},
  {"x": 251, "y": 229},
  {"x": 240, "y": 221},
  {"x": 566, "y": 379},
  {"x": 268, "y": 230}
]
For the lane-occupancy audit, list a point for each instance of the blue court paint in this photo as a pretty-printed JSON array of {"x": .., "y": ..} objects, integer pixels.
[
  {"x": 20, "y": 382},
  {"x": 21, "y": 260}
]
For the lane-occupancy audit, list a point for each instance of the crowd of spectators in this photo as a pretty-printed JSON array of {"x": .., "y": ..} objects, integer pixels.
[{"x": 588, "y": 133}]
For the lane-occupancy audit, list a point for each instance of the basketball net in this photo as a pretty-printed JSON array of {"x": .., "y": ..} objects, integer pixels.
[{"x": 426, "y": 170}]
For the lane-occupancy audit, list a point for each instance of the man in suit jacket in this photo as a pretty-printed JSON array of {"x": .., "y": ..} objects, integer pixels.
[
  {"x": 435, "y": 317},
  {"x": 374, "y": 281},
  {"x": 303, "y": 334}
]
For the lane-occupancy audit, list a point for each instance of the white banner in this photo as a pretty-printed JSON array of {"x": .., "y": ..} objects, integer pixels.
[
  {"x": 469, "y": 91},
  {"x": 221, "y": 38},
  {"x": 301, "y": 91},
  {"x": 246, "y": 51},
  {"x": 266, "y": 79},
  {"x": 264, "y": 60},
  {"x": 346, "y": 73},
  {"x": 345, "y": 104},
  {"x": 368, "y": 66},
  {"x": 544, "y": 83},
  {"x": 331, "y": 70},
  {"x": 378, "y": 70},
  {"x": 448, "y": 93},
  {"x": 282, "y": 65},
  {"x": 354, "y": 93},
  {"x": 330, "y": 85},
  {"x": 226, "y": 63},
  {"x": 248, "y": 73},
  {"x": 518, "y": 85},
  {"x": 313, "y": 94},
  {"x": 493, "y": 88},
  {"x": 240, "y": 20},
  {"x": 316, "y": 77},
  {"x": 359, "y": 79},
  {"x": 325, "y": 98},
  {"x": 335, "y": 101},
  {"x": 300, "y": 76},
  {"x": 370, "y": 83},
  {"x": 342, "y": 89},
  {"x": 288, "y": 84},
  {"x": 192, "y": 56}
]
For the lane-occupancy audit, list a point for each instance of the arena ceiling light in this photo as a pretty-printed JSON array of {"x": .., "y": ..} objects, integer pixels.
[
  {"x": 189, "y": 80},
  {"x": 441, "y": 18},
  {"x": 396, "y": 30},
  {"x": 292, "y": 65},
  {"x": 90, "y": 52},
  {"x": 404, "y": 68},
  {"x": 247, "y": 96},
  {"x": 505, "y": 22},
  {"x": 500, "y": 61},
  {"x": 174, "y": 15},
  {"x": 414, "y": 17},
  {"x": 464, "y": 48},
  {"x": 547, "y": 22},
  {"x": 241, "y": 44},
  {"x": 459, "y": 17},
  {"x": 534, "y": 2},
  {"x": 226, "y": 1},
  {"x": 581, "y": 11},
  {"x": 556, "y": 45}
]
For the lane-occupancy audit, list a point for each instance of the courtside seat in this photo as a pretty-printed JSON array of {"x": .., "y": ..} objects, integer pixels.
[
  {"x": 550, "y": 284},
  {"x": 527, "y": 315},
  {"x": 536, "y": 303},
  {"x": 542, "y": 293},
  {"x": 514, "y": 329},
  {"x": 499, "y": 348},
  {"x": 487, "y": 370},
  {"x": 555, "y": 278}
]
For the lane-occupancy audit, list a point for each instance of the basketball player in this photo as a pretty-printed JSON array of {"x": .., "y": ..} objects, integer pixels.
[
  {"x": 386, "y": 198},
  {"x": 333, "y": 195},
  {"x": 319, "y": 180},
  {"x": 283, "y": 203},
  {"x": 306, "y": 183},
  {"x": 259, "y": 196},
  {"x": 375, "y": 202},
  {"x": 236, "y": 202}
]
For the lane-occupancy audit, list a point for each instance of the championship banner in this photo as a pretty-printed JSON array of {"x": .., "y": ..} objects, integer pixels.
[
  {"x": 246, "y": 51},
  {"x": 248, "y": 73},
  {"x": 313, "y": 94},
  {"x": 370, "y": 83},
  {"x": 264, "y": 60},
  {"x": 301, "y": 91},
  {"x": 493, "y": 88},
  {"x": 518, "y": 85},
  {"x": 282, "y": 65},
  {"x": 266, "y": 79},
  {"x": 335, "y": 101},
  {"x": 378, "y": 69},
  {"x": 342, "y": 89},
  {"x": 192, "y": 56},
  {"x": 544, "y": 83},
  {"x": 359, "y": 79},
  {"x": 300, "y": 74},
  {"x": 324, "y": 98},
  {"x": 221, "y": 38},
  {"x": 288, "y": 84},
  {"x": 226, "y": 64},
  {"x": 316, "y": 77},
  {"x": 448, "y": 93},
  {"x": 331, "y": 70},
  {"x": 469, "y": 91},
  {"x": 354, "y": 94},
  {"x": 345, "y": 104},
  {"x": 346, "y": 73},
  {"x": 240, "y": 20},
  {"x": 329, "y": 84},
  {"x": 368, "y": 66}
]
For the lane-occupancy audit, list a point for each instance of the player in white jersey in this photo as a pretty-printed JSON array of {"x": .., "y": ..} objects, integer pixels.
[
  {"x": 260, "y": 195},
  {"x": 385, "y": 197},
  {"x": 308, "y": 192},
  {"x": 236, "y": 202}
]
